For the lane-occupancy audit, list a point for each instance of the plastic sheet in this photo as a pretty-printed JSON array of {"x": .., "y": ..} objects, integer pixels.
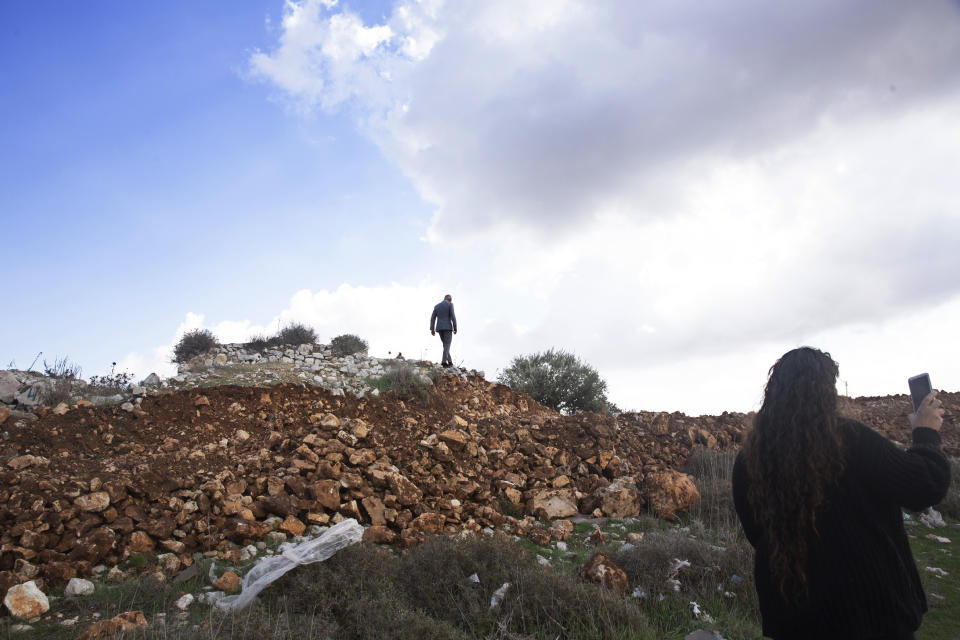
[{"x": 272, "y": 569}]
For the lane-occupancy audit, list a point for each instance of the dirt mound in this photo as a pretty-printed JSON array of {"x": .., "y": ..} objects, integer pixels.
[{"x": 210, "y": 469}]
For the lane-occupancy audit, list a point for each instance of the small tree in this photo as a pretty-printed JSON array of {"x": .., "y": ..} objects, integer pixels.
[
  {"x": 193, "y": 343},
  {"x": 347, "y": 345},
  {"x": 559, "y": 380}
]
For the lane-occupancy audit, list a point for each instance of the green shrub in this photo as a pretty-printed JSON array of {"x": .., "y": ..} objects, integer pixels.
[
  {"x": 559, "y": 380},
  {"x": 193, "y": 343},
  {"x": 950, "y": 507},
  {"x": 347, "y": 345},
  {"x": 258, "y": 342},
  {"x": 295, "y": 334}
]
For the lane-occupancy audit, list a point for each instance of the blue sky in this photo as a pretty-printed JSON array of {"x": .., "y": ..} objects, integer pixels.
[{"x": 672, "y": 192}]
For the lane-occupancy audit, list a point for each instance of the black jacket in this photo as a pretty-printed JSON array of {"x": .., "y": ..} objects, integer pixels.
[{"x": 863, "y": 582}]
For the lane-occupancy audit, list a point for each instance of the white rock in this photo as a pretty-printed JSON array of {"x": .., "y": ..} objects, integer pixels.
[
  {"x": 79, "y": 587},
  {"x": 26, "y": 601},
  {"x": 184, "y": 602}
]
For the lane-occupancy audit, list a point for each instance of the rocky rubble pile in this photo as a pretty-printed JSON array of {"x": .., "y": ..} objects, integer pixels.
[{"x": 213, "y": 470}]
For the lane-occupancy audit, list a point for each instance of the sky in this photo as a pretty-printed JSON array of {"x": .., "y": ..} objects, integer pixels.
[{"x": 676, "y": 192}]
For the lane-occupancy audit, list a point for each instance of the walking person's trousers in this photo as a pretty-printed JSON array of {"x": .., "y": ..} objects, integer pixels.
[{"x": 446, "y": 337}]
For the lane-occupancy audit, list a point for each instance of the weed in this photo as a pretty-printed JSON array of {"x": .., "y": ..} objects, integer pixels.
[
  {"x": 258, "y": 342},
  {"x": 712, "y": 471},
  {"x": 193, "y": 343},
  {"x": 402, "y": 380},
  {"x": 64, "y": 376},
  {"x": 347, "y": 345},
  {"x": 110, "y": 384}
]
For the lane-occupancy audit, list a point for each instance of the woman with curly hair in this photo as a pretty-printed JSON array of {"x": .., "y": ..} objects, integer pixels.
[{"x": 820, "y": 496}]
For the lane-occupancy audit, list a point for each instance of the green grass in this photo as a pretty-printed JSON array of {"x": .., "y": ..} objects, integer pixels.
[{"x": 942, "y": 621}]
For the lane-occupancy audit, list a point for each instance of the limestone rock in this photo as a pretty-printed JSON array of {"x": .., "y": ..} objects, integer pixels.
[
  {"x": 26, "y": 601},
  {"x": 8, "y": 386},
  {"x": 79, "y": 587},
  {"x": 127, "y": 621},
  {"x": 621, "y": 499},
  {"x": 601, "y": 570},
  {"x": 455, "y": 438},
  {"x": 4, "y": 414},
  {"x": 550, "y": 504},
  {"x": 229, "y": 581},
  {"x": 670, "y": 492},
  {"x": 407, "y": 493},
  {"x": 140, "y": 542},
  {"x": 379, "y": 535},
  {"x": 152, "y": 380},
  {"x": 93, "y": 502},
  {"x": 293, "y": 526},
  {"x": 60, "y": 409}
]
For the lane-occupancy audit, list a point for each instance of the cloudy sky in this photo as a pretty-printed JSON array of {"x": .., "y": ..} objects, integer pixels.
[{"x": 678, "y": 192}]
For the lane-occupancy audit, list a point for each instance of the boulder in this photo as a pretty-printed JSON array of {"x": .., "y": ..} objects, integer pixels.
[
  {"x": 127, "y": 621},
  {"x": 670, "y": 492},
  {"x": 4, "y": 414},
  {"x": 293, "y": 526},
  {"x": 26, "y": 601},
  {"x": 601, "y": 570},
  {"x": 8, "y": 387},
  {"x": 455, "y": 438},
  {"x": 31, "y": 397},
  {"x": 152, "y": 380},
  {"x": 550, "y": 504},
  {"x": 61, "y": 409},
  {"x": 407, "y": 493},
  {"x": 621, "y": 499}
]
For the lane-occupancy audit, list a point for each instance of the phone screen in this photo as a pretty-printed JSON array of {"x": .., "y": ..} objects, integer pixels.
[{"x": 919, "y": 388}]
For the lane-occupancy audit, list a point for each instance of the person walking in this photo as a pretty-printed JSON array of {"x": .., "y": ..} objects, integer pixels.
[
  {"x": 444, "y": 322},
  {"x": 820, "y": 496}
]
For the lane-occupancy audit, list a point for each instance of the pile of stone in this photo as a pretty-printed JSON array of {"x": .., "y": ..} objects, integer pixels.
[
  {"x": 314, "y": 364},
  {"x": 217, "y": 469}
]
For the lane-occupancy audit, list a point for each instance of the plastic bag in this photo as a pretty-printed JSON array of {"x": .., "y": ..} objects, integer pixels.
[{"x": 269, "y": 570}]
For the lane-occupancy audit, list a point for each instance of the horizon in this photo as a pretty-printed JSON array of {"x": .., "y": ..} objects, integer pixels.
[{"x": 677, "y": 195}]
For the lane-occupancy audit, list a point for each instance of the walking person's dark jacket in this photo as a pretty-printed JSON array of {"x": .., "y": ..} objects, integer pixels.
[
  {"x": 861, "y": 576},
  {"x": 443, "y": 318}
]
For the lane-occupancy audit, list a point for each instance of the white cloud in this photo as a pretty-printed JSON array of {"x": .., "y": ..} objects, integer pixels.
[{"x": 663, "y": 187}]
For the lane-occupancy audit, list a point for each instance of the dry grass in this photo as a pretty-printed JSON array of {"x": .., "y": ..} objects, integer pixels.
[
  {"x": 950, "y": 507},
  {"x": 713, "y": 474}
]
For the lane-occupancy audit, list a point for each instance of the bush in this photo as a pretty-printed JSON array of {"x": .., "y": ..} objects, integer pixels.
[
  {"x": 110, "y": 384},
  {"x": 347, "y": 345},
  {"x": 193, "y": 343},
  {"x": 559, "y": 380},
  {"x": 295, "y": 334},
  {"x": 258, "y": 342},
  {"x": 950, "y": 507}
]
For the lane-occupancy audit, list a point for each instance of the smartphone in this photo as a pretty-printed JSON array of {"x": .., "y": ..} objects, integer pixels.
[{"x": 919, "y": 388}]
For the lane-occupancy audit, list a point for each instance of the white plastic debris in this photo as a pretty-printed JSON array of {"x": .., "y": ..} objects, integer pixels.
[
  {"x": 939, "y": 539},
  {"x": 673, "y": 584},
  {"x": 700, "y": 614},
  {"x": 498, "y": 595},
  {"x": 678, "y": 564},
  {"x": 932, "y": 518},
  {"x": 543, "y": 562},
  {"x": 474, "y": 579},
  {"x": 937, "y": 571},
  {"x": 561, "y": 545},
  {"x": 639, "y": 593},
  {"x": 267, "y": 571}
]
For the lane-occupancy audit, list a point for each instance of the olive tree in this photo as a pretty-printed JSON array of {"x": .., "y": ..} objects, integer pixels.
[{"x": 559, "y": 380}]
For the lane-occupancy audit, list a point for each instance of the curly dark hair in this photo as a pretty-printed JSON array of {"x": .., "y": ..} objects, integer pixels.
[{"x": 793, "y": 456}]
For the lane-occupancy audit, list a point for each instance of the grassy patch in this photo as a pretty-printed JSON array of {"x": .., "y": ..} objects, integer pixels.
[{"x": 943, "y": 593}]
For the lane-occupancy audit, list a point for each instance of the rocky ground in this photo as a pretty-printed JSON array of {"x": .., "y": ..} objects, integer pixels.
[{"x": 183, "y": 469}]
